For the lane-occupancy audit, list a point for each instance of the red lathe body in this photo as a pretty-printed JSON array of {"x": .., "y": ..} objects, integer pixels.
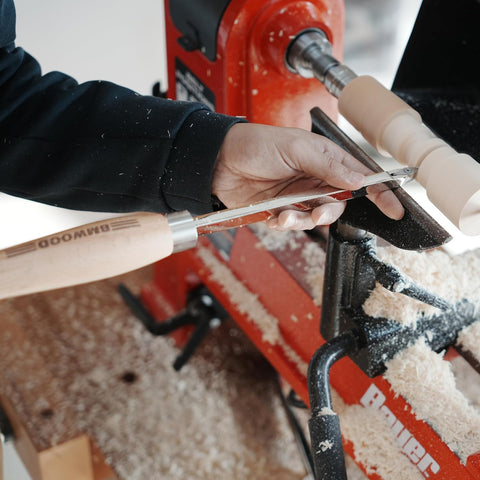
[{"x": 245, "y": 75}]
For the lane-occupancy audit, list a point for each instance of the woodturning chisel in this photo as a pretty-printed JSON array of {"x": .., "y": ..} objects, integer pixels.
[{"x": 111, "y": 247}]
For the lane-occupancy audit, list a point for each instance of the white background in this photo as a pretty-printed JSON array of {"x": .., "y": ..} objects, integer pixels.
[{"x": 117, "y": 40}]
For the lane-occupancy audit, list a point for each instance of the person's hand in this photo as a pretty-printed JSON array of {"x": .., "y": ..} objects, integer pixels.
[{"x": 259, "y": 162}]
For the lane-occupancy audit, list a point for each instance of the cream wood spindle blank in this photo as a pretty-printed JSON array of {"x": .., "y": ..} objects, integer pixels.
[{"x": 451, "y": 179}]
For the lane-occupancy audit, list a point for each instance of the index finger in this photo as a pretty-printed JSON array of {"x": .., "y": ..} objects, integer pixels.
[{"x": 326, "y": 160}]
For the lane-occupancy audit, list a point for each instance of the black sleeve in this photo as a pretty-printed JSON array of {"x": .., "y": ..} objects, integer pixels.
[{"x": 98, "y": 146}]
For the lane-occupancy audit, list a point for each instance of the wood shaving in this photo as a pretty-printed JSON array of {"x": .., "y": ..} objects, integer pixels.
[
  {"x": 249, "y": 305},
  {"x": 427, "y": 383},
  {"x": 374, "y": 443}
]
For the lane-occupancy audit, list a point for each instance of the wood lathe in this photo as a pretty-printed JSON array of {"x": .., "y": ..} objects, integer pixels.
[{"x": 275, "y": 62}]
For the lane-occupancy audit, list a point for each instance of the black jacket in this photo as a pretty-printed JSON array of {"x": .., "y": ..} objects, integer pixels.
[{"x": 99, "y": 146}]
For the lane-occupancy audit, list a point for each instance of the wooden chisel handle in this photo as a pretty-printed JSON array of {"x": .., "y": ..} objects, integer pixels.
[{"x": 92, "y": 252}]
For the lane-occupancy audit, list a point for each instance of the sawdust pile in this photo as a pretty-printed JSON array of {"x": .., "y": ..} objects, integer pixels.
[
  {"x": 220, "y": 417},
  {"x": 427, "y": 383},
  {"x": 452, "y": 278},
  {"x": 374, "y": 442}
]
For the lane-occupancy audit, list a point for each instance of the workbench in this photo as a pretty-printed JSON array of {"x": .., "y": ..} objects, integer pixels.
[{"x": 93, "y": 396}]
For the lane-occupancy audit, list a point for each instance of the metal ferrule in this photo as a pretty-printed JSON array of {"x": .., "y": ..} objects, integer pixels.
[
  {"x": 184, "y": 230},
  {"x": 309, "y": 55}
]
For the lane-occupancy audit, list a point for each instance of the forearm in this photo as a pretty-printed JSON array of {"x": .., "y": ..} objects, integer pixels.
[{"x": 98, "y": 146}]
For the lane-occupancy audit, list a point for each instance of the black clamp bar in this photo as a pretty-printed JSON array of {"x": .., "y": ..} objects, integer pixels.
[
  {"x": 202, "y": 311},
  {"x": 324, "y": 425},
  {"x": 395, "y": 281}
]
